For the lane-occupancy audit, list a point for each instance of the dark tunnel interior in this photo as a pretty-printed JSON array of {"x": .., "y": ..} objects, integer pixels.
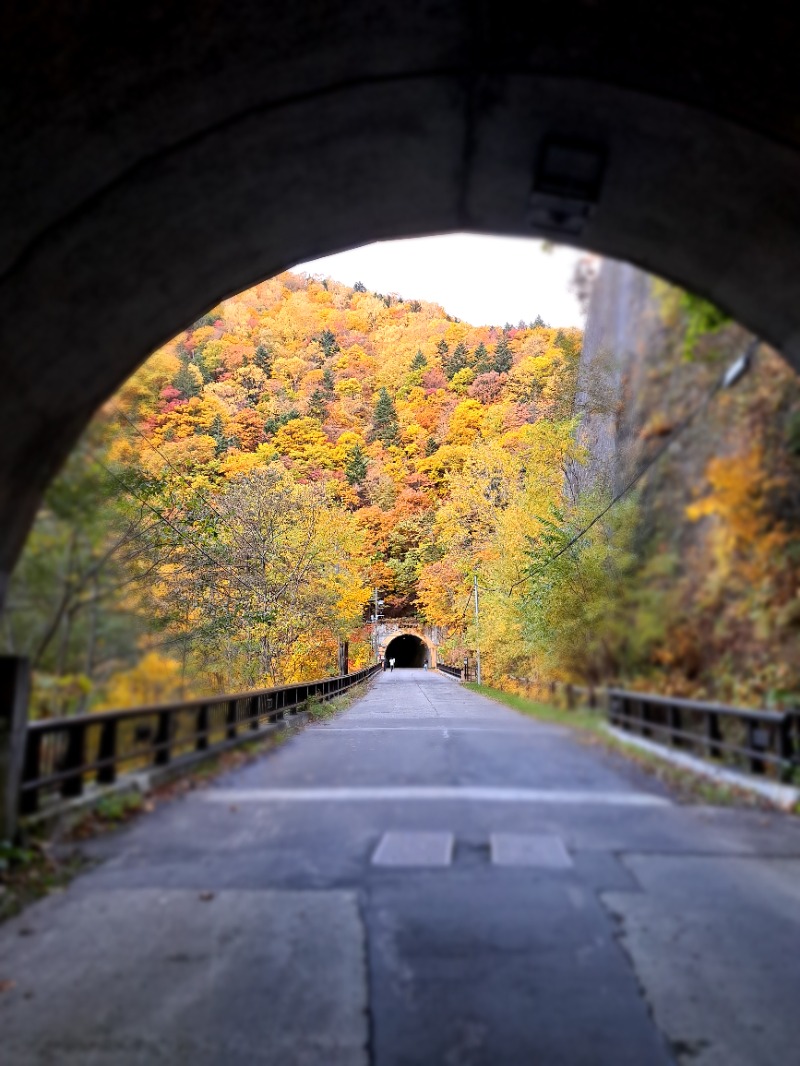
[{"x": 407, "y": 651}]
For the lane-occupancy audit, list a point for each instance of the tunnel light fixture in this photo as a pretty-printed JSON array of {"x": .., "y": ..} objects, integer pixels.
[{"x": 567, "y": 183}]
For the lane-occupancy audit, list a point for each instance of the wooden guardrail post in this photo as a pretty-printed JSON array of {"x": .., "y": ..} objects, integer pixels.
[
  {"x": 74, "y": 760},
  {"x": 107, "y": 754},
  {"x": 201, "y": 729},
  {"x": 786, "y": 747},
  {"x": 14, "y": 694},
  {"x": 163, "y": 739},
  {"x": 713, "y": 736},
  {"x": 230, "y": 719},
  {"x": 758, "y": 741}
]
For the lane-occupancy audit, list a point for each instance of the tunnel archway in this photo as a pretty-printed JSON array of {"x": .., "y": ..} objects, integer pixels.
[
  {"x": 162, "y": 164},
  {"x": 408, "y": 652}
]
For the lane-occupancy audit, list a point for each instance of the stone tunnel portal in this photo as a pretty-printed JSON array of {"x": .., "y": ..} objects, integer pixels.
[{"x": 407, "y": 651}]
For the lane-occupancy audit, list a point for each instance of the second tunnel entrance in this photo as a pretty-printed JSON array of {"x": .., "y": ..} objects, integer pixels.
[{"x": 407, "y": 651}]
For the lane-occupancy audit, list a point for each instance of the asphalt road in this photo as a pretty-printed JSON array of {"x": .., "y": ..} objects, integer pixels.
[{"x": 429, "y": 879}]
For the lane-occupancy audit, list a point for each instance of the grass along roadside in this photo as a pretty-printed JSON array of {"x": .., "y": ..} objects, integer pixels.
[
  {"x": 46, "y": 862},
  {"x": 588, "y": 725}
]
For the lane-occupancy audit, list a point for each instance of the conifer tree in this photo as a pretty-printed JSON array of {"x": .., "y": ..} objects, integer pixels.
[
  {"x": 188, "y": 381},
  {"x": 455, "y": 361},
  {"x": 569, "y": 345},
  {"x": 318, "y": 405},
  {"x": 481, "y": 361},
  {"x": 503, "y": 359},
  {"x": 217, "y": 431},
  {"x": 356, "y": 469},
  {"x": 419, "y": 362},
  {"x": 384, "y": 419},
  {"x": 263, "y": 357},
  {"x": 328, "y": 383},
  {"x": 328, "y": 343}
]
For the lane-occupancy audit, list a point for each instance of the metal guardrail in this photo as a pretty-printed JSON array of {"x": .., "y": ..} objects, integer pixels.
[
  {"x": 756, "y": 741},
  {"x": 61, "y": 753},
  {"x": 468, "y": 674}
]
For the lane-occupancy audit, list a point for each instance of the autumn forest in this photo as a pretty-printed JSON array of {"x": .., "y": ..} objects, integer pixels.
[{"x": 226, "y": 520}]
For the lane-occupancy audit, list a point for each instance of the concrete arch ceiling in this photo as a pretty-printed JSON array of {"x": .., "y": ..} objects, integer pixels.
[{"x": 158, "y": 157}]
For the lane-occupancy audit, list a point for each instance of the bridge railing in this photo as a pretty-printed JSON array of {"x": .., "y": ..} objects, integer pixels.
[
  {"x": 62, "y": 755},
  {"x": 757, "y": 741},
  {"x": 463, "y": 674}
]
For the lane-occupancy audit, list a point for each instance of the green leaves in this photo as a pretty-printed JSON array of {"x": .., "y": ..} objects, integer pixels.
[{"x": 702, "y": 317}]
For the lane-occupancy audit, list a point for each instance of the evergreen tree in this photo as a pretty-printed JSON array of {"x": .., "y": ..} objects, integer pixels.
[
  {"x": 272, "y": 425},
  {"x": 188, "y": 381},
  {"x": 359, "y": 287},
  {"x": 217, "y": 431},
  {"x": 431, "y": 446},
  {"x": 318, "y": 405},
  {"x": 384, "y": 419},
  {"x": 263, "y": 358},
  {"x": 539, "y": 323},
  {"x": 568, "y": 345},
  {"x": 481, "y": 361},
  {"x": 455, "y": 361},
  {"x": 503, "y": 359},
  {"x": 328, "y": 343},
  {"x": 328, "y": 383},
  {"x": 442, "y": 348},
  {"x": 356, "y": 469},
  {"x": 419, "y": 362}
]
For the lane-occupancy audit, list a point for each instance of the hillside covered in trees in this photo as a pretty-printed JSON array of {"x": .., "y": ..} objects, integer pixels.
[{"x": 224, "y": 522}]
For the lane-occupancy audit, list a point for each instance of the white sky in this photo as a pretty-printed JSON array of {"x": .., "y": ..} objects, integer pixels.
[{"x": 486, "y": 281}]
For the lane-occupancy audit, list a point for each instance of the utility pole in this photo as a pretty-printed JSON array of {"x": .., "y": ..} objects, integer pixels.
[
  {"x": 376, "y": 616},
  {"x": 477, "y": 628}
]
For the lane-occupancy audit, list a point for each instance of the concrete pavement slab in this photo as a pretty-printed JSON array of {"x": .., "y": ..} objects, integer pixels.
[
  {"x": 176, "y": 976},
  {"x": 412, "y": 849},
  {"x": 713, "y": 940},
  {"x": 529, "y": 849}
]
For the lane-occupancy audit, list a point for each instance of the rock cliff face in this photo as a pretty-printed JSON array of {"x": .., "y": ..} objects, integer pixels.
[
  {"x": 624, "y": 331},
  {"x": 718, "y": 516},
  {"x": 636, "y": 386}
]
